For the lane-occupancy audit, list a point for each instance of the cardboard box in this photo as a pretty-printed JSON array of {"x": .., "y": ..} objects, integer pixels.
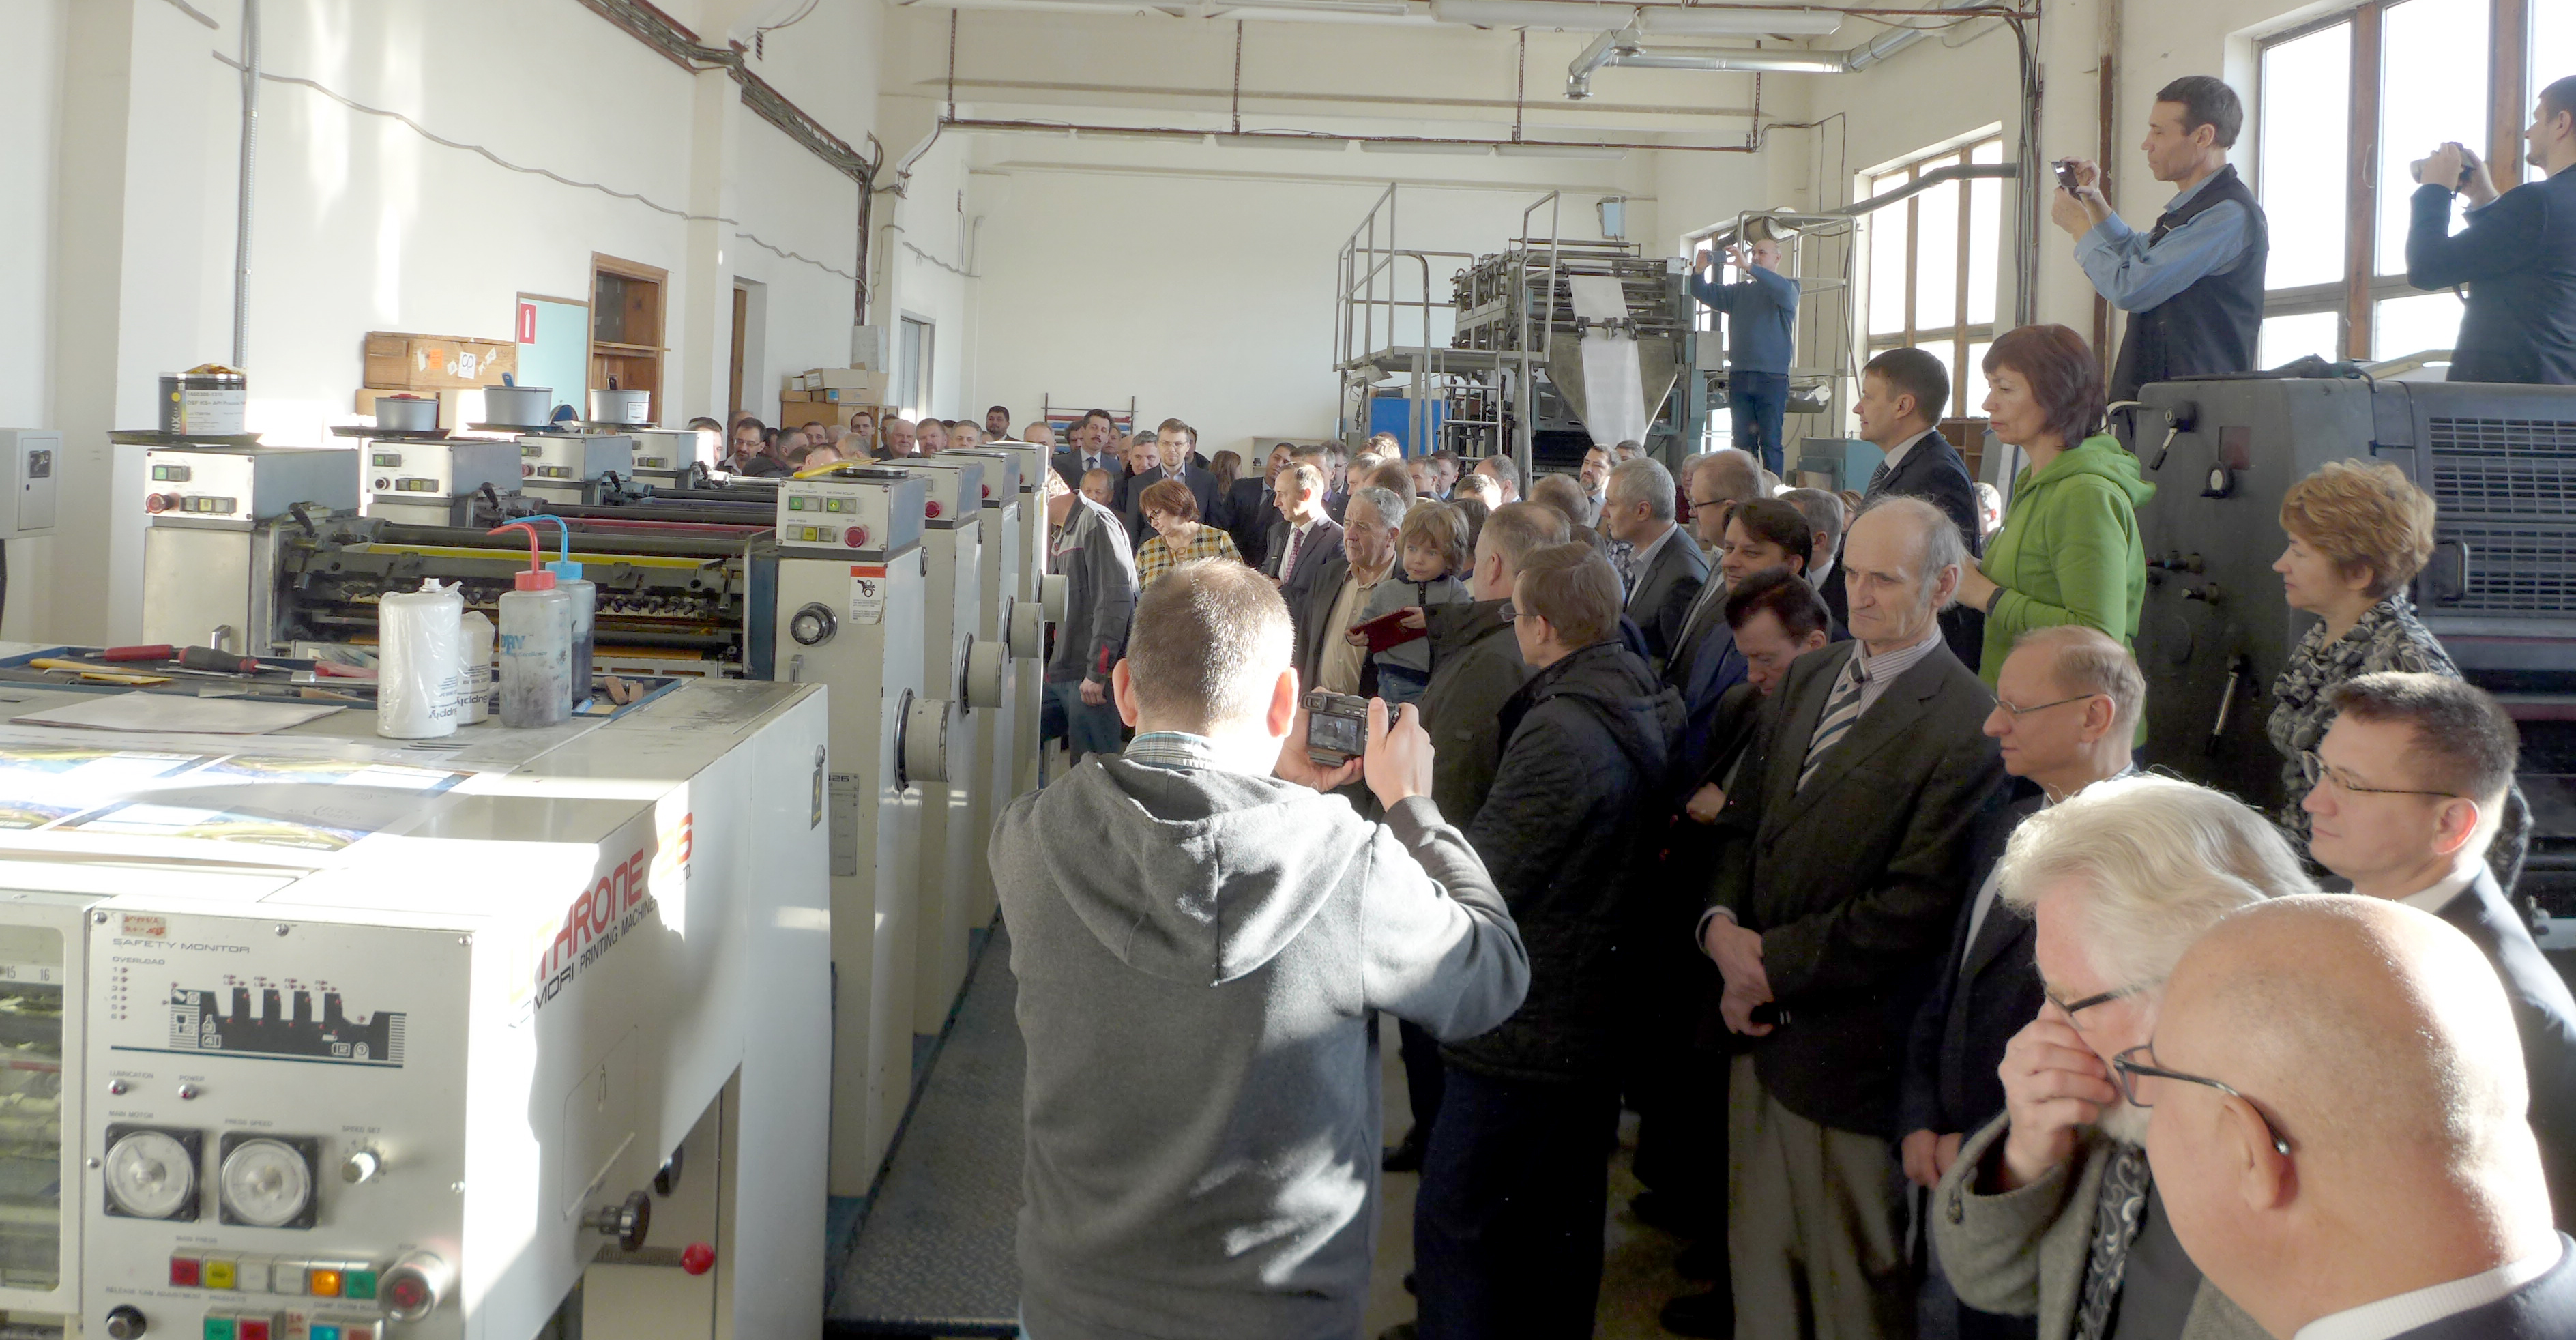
[
  {"x": 845, "y": 379},
  {"x": 399, "y": 362},
  {"x": 794, "y": 397}
]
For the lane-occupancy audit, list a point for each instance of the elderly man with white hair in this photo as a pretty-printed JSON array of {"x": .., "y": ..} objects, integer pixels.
[{"x": 2051, "y": 1212}]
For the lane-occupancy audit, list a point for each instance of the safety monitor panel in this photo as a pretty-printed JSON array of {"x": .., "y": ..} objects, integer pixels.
[{"x": 865, "y": 508}]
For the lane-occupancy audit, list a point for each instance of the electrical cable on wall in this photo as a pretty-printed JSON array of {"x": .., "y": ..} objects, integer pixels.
[{"x": 498, "y": 161}]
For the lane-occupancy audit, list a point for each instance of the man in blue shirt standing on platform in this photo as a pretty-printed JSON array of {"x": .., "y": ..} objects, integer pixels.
[
  {"x": 2193, "y": 285},
  {"x": 1761, "y": 314}
]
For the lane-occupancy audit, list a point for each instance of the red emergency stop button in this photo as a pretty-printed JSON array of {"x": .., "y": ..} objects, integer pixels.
[
  {"x": 161, "y": 502},
  {"x": 988, "y": 490},
  {"x": 856, "y": 537},
  {"x": 697, "y": 1258},
  {"x": 931, "y": 509}
]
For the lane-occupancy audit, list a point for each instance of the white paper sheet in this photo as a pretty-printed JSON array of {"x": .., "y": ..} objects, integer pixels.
[
  {"x": 180, "y": 713},
  {"x": 1614, "y": 387}
]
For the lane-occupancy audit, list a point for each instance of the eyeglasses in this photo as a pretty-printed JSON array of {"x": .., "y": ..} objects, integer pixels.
[
  {"x": 2318, "y": 771},
  {"x": 2017, "y": 713},
  {"x": 2127, "y": 1070},
  {"x": 2073, "y": 1008},
  {"x": 1512, "y": 613}
]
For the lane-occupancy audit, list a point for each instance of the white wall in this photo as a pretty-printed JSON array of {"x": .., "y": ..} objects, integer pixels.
[{"x": 364, "y": 223}]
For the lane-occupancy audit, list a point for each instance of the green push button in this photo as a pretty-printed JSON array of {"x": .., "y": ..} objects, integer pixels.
[
  {"x": 219, "y": 1328},
  {"x": 795, "y": 502},
  {"x": 358, "y": 1284}
]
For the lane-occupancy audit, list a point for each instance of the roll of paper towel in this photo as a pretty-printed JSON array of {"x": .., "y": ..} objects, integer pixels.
[{"x": 420, "y": 676}]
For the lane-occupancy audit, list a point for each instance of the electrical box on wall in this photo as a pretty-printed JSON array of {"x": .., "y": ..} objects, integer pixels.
[
  {"x": 868, "y": 348},
  {"x": 28, "y": 460}
]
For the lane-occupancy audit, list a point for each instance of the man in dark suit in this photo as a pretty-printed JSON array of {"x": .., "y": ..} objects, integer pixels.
[
  {"x": 1306, "y": 550},
  {"x": 1665, "y": 570},
  {"x": 2065, "y": 705},
  {"x": 1171, "y": 455},
  {"x": 2334, "y": 1104},
  {"x": 1704, "y": 663},
  {"x": 1834, "y": 891},
  {"x": 1902, "y": 394},
  {"x": 1250, "y": 508},
  {"x": 2411, "y": 781},
  {"x": 1092, "y": 448},
  {"x": 2517, "y": 257}
]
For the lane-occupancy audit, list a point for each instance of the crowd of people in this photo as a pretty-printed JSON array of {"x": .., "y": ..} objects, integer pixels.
[{"x": 1808, "y": 826}]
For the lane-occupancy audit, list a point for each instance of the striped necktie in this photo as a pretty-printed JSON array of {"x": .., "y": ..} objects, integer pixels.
[
  {"x": 1841, "y": 711},
  {"x": 1877, "y": 477}
]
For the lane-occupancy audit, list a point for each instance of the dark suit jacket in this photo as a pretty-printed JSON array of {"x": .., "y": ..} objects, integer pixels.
[
  {"x": 1248, "y": 517},
  {"x": 1976, "y": 1006},
  {"x": 1933, "y": 471},
  {"x": 1310, "y": 604},
  {"x": 1068, "y": 466},
  {"x": 1325, "y": 538},
  {"x": 2544, "y": 1309},
  {"x": 1664, "y": 595},
  {"x": 1704, "y": 663},
  {"x": 2543, "y": 1014},
  {"x": 1854, "y": 879}
]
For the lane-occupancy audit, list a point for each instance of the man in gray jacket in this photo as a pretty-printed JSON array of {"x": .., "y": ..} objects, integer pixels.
[
  {"x": 1203, "y": 938},
  {"x": 1099, "y": 570}
]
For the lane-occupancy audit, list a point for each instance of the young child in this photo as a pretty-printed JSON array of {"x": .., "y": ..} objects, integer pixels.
[
  {"x": 1097, "y": 487},
  {"x": 1432, "y": 550}
]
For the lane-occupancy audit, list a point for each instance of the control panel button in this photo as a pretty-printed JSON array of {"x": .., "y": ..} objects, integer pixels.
[
  {"x": 323, "y": 1281},
  {"x": 221, "y": 1328},
  {"x": 856, "y": 537},
  {"x": 187, "y": 1271},
  {"x": 358, "y": 1282},
  {"x": 931, "y": 509},
  {"x": 221, "y": 1272},
  {"x": 414, "y": 1284},
  {"x": 125, "y": 1322}
]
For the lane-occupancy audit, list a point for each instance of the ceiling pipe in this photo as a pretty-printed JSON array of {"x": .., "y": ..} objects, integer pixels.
[
  {"x": 1367, "y": 143},
  {"x": 1626, "y": 46}
]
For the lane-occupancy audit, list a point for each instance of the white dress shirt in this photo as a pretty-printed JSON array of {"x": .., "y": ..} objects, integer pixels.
[
  {"x": 1896, "y": 454},
  {"x": 2408, "y": 1311}
]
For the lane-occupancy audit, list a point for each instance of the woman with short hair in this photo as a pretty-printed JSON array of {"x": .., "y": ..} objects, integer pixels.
[
  {"x": 2359, "y": 532},
  {"x": 1178, "y": 536},
  {"x": 2069, "y": 550}
]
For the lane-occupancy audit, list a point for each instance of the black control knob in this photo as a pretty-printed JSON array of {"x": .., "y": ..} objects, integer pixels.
[
  {"x": 629, "y": 1223},
  {"x": 125, "y": 1322}
]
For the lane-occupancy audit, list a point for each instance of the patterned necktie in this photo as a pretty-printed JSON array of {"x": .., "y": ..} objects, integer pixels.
[
  {"x": 2121, "y": 1208},
  {"x": 1841, "y": 711},
  {"x": 1288, "y": 565},
  {"x": 1877, "y": 477}
]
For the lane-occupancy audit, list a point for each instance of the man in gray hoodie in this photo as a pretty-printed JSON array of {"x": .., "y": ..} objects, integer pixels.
[{"x": 1203, "y": 938}]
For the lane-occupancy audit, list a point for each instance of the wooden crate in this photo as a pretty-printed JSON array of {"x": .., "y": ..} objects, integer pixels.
[{"x": 402, "y": 362}]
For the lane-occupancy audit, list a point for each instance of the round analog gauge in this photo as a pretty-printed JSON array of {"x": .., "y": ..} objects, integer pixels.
[
  {"x": 266, "y": 1183},
  {"x": 150, "y": 1175}
]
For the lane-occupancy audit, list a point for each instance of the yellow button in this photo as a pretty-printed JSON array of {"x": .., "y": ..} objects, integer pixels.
[
  {"x": 323, "y": 1283},
  {"x": 220, "y": 1273}
]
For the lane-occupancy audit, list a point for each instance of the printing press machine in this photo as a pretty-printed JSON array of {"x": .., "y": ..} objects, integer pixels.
[
  {"x": 312, "y": 1035},
  {"x": 735, "y": 580}
]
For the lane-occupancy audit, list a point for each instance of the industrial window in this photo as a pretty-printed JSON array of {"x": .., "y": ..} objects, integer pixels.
[
  {"x": 912, "y": 365},
  {"x": 1935, "y": 267},
  {"x": 2343, "y": 109}
]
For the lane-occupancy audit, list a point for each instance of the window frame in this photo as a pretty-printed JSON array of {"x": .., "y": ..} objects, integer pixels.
[
  {"x": 2356, "y": 296},
  {"x": 1961, "y": 334},
  {"x": 916, "y": 394}
]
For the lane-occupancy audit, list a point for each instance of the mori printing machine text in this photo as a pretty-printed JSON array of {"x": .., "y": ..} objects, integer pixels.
[{"x": 812, "y": 866}]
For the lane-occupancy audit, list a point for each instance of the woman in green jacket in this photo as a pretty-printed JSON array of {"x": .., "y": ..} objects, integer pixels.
[{"x": 2068, "y": 551}]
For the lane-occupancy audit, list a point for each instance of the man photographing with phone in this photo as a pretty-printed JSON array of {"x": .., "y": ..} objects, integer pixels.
[
  {"x": 2193, "y": 285},
  {"x": 2517, "y": 257},
  {"x": 1203, "y": 937}
]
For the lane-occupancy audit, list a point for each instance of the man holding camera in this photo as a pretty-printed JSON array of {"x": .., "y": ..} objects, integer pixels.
[
  {"x": 2192, "y": 286},
  {"x": 2517, "y": 256},
  {"x": 1203, "y": 939},
  {"x": 1761, "y": 311}
]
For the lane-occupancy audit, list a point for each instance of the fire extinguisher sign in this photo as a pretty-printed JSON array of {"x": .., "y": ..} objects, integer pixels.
[{"x": 527, "y": 323}]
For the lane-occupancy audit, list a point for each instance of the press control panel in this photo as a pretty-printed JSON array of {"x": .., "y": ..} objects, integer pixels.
[
  {"x": 246, "y": 484},
  {"x": 276, "y": 1136},
  {"x": 868, "y": 508},
  {"x": 564, "y": 462},
  {"x": 420, "y": 475}
]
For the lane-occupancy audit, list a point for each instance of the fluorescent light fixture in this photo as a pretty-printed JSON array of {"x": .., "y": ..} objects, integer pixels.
[
  {"x": 1559, "y": 15},
  {"x": 1541, "y": 149},
  {"x": 1735, "y": 21},
  {"x": 1312, "y": 143},
  {"x": 1426, "y": 147},
  {"x": 1771, "y": 62},
  {"x": 1138, "y": 133}
]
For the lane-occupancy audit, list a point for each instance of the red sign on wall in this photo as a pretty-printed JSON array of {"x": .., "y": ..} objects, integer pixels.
[{"x": 527, "y": 323}]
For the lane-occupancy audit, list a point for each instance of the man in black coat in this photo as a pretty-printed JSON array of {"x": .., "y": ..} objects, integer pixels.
[
  {"x": 2065, "y": 705},
  {"x": 1249, "y": 508},
  {"x": 2411, "y": 780},
  {"x": 1902, "y": 394},
  {"x": 1476, "y": 667},
  {"x": 1306, "y": 556},
  {"x": 2517, "y": 256},
  {"x": 2374, "y": 1177},
  {"x": 1168, "y": 456},
  {"x": 1834, "y": 892},
  {"x": 1507, "y": 1226}
]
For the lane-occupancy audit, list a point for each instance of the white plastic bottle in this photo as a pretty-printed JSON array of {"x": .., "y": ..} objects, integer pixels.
[
  {"x": 585, "y": 612},
  {"x": 420, "y": 636},
  {"x": 476, "y": 683},
  {"x": 536, "y": 645}
]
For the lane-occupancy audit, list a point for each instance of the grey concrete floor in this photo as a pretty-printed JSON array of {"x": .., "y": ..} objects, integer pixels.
[{"x": 1637, "y": 1275}]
